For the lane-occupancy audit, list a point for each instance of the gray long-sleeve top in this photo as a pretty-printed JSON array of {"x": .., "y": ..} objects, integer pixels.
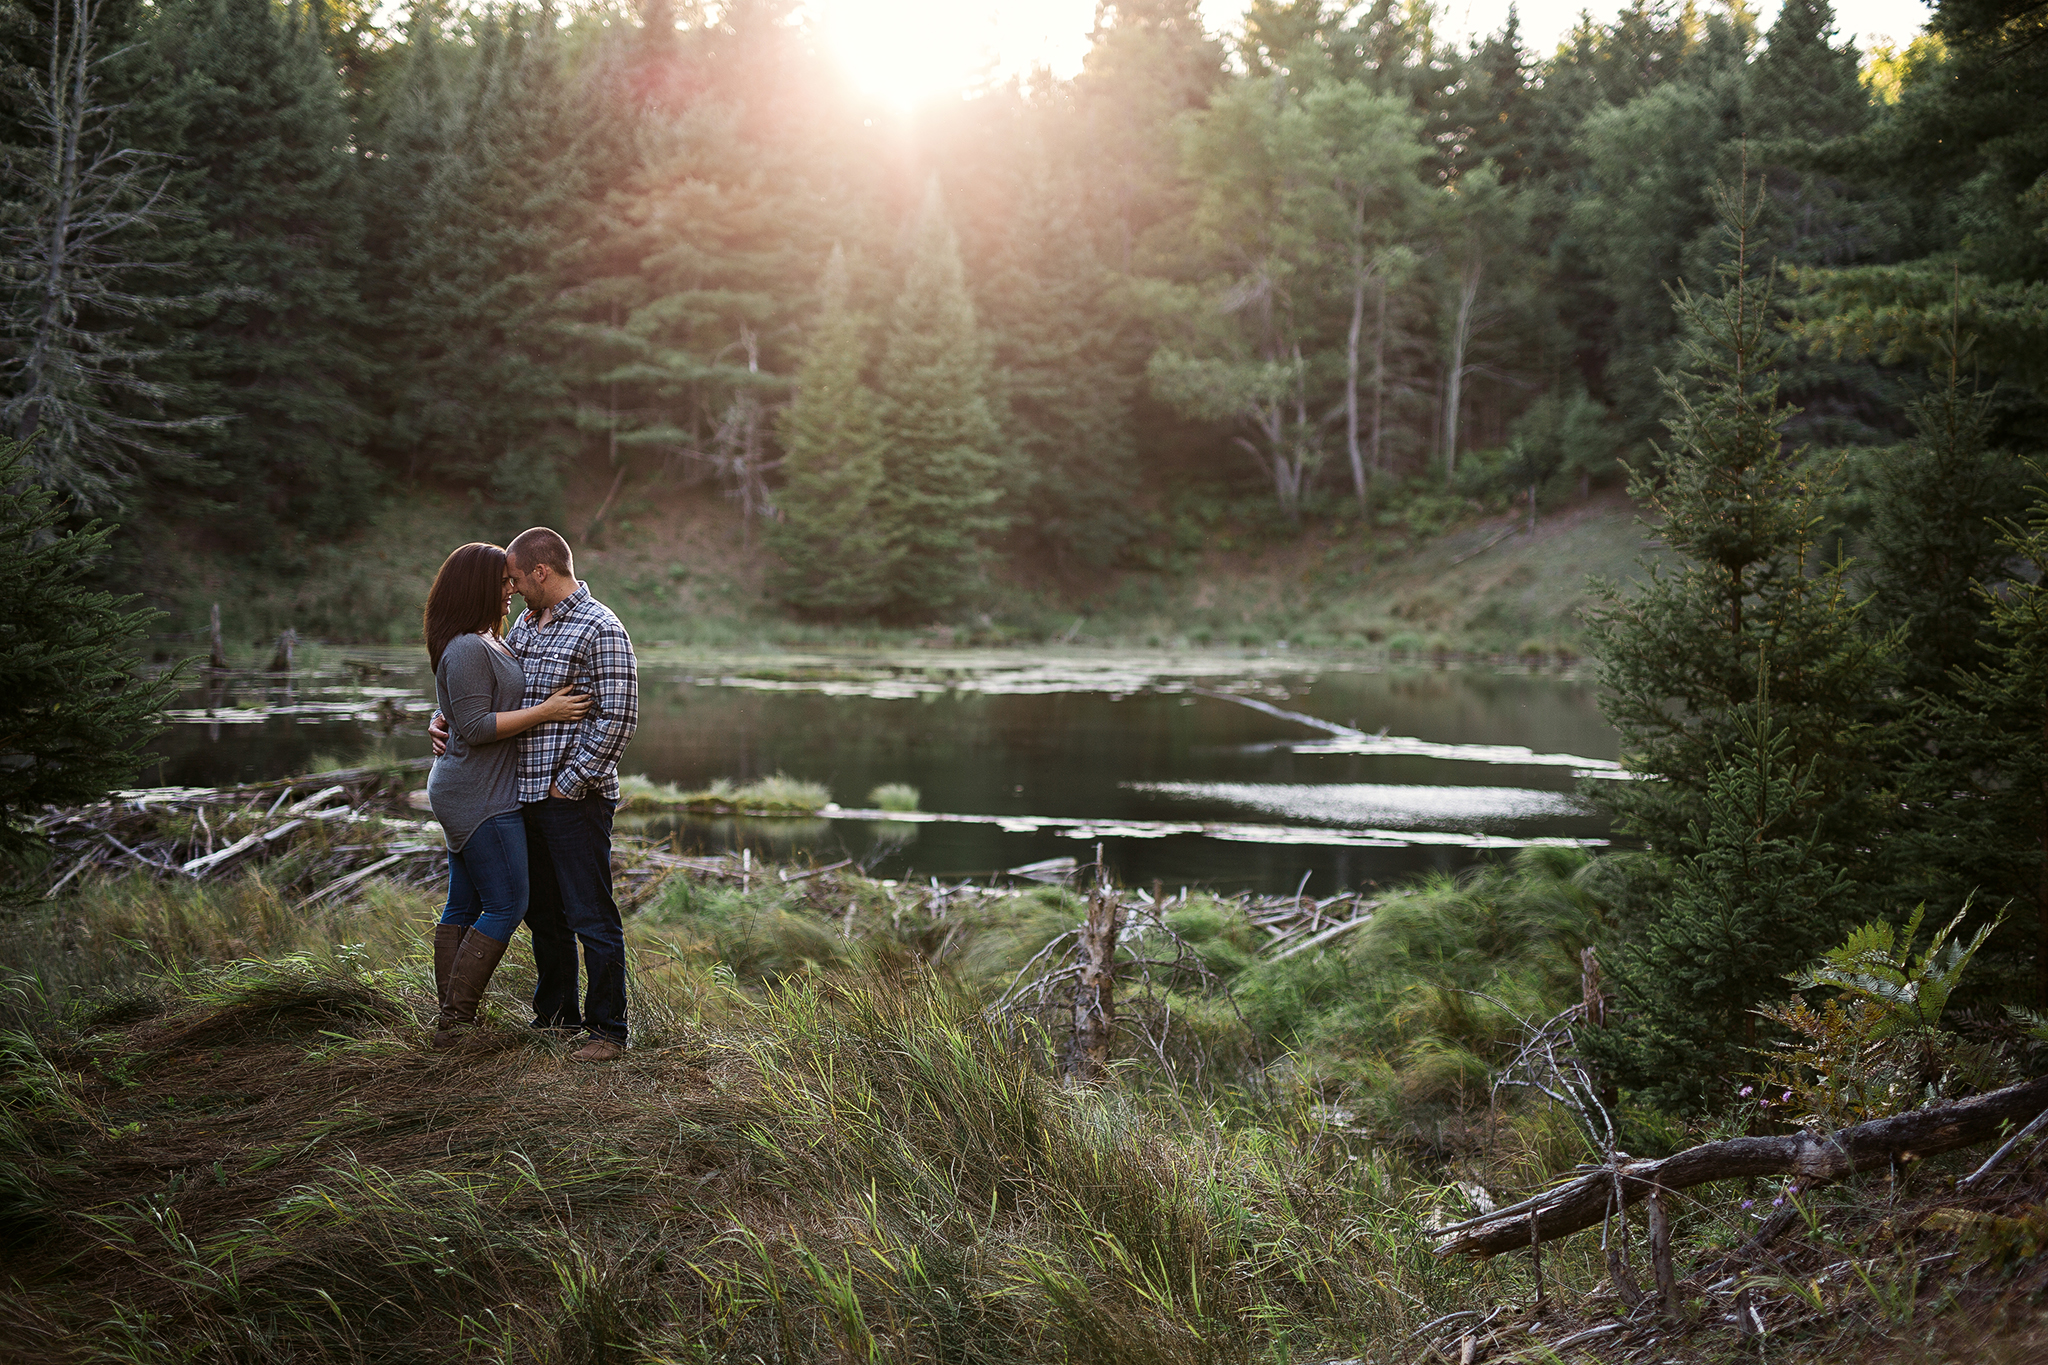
[{"x": 479, "y": 775}]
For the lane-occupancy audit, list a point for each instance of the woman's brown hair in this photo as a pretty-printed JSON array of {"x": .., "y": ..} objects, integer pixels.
[{"x": 468, "y": 596}]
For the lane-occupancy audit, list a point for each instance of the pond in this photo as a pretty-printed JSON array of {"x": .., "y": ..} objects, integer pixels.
[{"x": 1205, "y": 768}]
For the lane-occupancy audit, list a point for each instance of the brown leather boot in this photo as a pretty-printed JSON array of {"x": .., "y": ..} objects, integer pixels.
[
  {"x": 474, "y": 963},
  {"x": 447, "y": 938}
]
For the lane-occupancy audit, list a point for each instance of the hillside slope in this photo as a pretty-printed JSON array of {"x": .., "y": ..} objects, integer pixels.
[{"x": 675, "y": 563}]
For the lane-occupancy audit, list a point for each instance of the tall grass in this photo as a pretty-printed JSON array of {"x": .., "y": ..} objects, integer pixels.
[
  {"x": 223, "y": 1136},
  {"x": 862, "y": 1164}
]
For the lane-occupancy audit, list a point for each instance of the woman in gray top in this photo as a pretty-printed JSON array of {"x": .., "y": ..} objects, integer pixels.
[{"x": 474, "y": 787}]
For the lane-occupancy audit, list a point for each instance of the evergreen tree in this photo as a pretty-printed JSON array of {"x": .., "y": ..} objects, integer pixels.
[
  {"x": 1741, "y": 512},
  {"x": 684, "y": 306},
  {"x": 248, "y": 102},
  {"x": 75, "y": 707},
  {"x": 1800, "y": 96},
  {"x": 1148, "y": 62},
  {"x": 84, "y": 267},
  {"x": 837, "y": 560},
  {"x": 478, "y": 195},
  {"x": 1066, "y": 353},
  {"x": 684, "y": 332},
  {"x": 1761, "y": 892},
  {"x": 943, "y": 467},
  {"x": 1980, "y": 773},
  {"x": 1932, "y": 537},
  {"x": 1649, "y": 165},
  {"x": 1964, "y": 152}
]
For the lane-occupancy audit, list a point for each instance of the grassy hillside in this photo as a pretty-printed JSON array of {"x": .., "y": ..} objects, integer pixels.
[{"x": 675, "y": 565}]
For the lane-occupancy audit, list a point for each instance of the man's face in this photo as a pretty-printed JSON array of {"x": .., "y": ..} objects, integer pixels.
[{"x": 530, "y": 584}]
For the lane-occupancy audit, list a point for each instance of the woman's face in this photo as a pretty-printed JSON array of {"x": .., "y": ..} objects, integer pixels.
[{"x": 505, "y": 593}]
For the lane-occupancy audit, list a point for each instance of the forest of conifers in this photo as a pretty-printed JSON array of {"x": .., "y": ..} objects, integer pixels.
[{"x": 267, "y": 264}]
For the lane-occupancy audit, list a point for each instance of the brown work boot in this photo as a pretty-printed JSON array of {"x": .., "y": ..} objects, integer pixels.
[
  {"x": 478, "y": 958},
  {"x": 447, "y": 939},
  {"x": 598, "y": 1049}
]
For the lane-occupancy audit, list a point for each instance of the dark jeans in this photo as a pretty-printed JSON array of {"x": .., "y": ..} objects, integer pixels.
[
  {"x": 487, "y": 879},
  {"x": 569, "y": 853}
]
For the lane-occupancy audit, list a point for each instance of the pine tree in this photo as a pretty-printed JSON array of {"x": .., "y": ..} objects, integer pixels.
[
  {"x": 1742, "y": 513},
  {"x": 942, "y": 471},
  {"x": 1148, "y": 62},
  {"x": 1801, "y": 96},
  {"x": 1762, "y": 893},
  {"x": 1648, "y": 171},
  {"x": 837, "y": 560},
  {"x": 252, "y": 109},
  {"x": 477, "y": 197},
  {"x": 75, "y": 707},
  {"x": 1931, "y": 537},
  {"x": 1980, "y": 772},
  {"x": 86, "y": 269},
  {"x": 1066, "y": 353},
  {"x": 1801, "y": 86}
]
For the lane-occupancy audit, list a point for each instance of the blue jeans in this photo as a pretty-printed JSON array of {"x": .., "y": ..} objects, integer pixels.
[
  {"x": 487, "y": 879},
  {"x": 569, "y": 861}
]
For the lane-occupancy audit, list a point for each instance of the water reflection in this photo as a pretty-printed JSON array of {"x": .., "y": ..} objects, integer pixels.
[
  {"x": 1388, "y": 772},
  {"x": 1376, "y": 803}
]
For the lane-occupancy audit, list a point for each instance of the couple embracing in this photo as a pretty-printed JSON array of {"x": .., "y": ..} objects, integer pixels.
[{"x": 528, "y": 732}]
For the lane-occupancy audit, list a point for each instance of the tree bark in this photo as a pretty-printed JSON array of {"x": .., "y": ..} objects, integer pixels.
[
  {"x": 1095, "y": 991},
  {"x": 1584, "y": 1202}
]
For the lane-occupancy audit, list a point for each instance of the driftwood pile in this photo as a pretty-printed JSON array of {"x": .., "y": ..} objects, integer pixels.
[
  {"x": 1294, "y": 924},
  {"x": 344, "y": 827},
  {"x": 328, "y": 834}
]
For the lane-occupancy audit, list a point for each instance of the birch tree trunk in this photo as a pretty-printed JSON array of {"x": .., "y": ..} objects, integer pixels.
[
  {"x": 1359, "y": 277},
  {"x": 1461, "y": 337},
  {"x": 1379, "y": 377}
]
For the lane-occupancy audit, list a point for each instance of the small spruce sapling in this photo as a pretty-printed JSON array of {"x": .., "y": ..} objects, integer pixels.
[
  {"x": 1742, "y": 514},
  {"x": 1760, "y": 889}
]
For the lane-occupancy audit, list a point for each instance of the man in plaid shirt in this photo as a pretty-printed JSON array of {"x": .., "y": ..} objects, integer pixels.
[{"x": 568, "y": 787}]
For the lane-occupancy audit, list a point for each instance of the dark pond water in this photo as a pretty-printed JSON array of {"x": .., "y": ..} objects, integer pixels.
[{"x": 1194, "y": 770}]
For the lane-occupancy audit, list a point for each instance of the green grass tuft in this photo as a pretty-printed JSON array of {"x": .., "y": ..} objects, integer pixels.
[
  {"x": 894, "y": 796},
  {"x": 777, "y": 795}
]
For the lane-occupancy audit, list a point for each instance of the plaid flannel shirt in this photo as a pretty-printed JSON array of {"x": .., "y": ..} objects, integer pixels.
[{"x": 582, "y": 642}]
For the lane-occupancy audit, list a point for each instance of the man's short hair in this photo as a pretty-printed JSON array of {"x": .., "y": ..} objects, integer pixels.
[{"x": 539, "y": 545}]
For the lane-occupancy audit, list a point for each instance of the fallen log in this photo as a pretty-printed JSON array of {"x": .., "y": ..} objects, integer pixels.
[{"x": 1590, "y": 1198}]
